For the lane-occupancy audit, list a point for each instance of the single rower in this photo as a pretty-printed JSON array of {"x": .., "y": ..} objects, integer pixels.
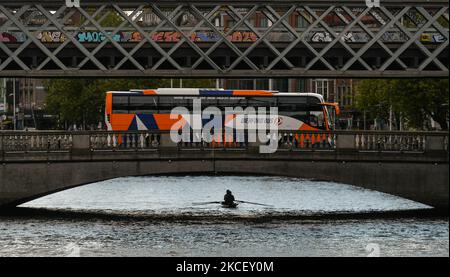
[{"x": 229, "y": 200}]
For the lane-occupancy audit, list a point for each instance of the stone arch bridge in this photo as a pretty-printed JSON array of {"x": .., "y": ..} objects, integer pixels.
[{"x": 410, "y": 165}]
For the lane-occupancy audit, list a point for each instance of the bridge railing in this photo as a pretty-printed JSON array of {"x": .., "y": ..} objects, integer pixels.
[
  {"x": 35, "y": 141},
  {"x": 124, "y": 140},
  {"x": 391, "y": 142},
  {"x": 91, "y": 141}
]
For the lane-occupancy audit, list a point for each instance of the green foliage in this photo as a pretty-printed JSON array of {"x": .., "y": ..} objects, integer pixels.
[
  {"x": 74, "y": 101},
  {"x": 82, "y": 101},
  {"x": 372, "y": 96},
  {"x": 415, "y": 100},
  {"x": 113, "y": 19}
]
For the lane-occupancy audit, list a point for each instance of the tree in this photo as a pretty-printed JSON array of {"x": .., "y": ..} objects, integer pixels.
[
  {"x": 82, "y": 101},
  {"x": 74, "y": 101},
  {"x": 424, "y": 99},
  {"x": 414, "y": 100}
]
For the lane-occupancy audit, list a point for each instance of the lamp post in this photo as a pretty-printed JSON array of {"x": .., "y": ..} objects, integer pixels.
[
  {"x": 14, "y": 104},
  {"x": 3, "y": 93}
]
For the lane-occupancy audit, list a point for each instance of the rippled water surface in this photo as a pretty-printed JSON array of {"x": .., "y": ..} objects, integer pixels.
[{"x": 155, "y": 216}]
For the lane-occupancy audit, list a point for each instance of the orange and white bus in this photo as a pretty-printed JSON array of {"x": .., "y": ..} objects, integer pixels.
[{"x": 150, "y": 109}]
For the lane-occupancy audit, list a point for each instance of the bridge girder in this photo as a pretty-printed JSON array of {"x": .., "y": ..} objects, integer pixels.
[{"x": 209, "y": 39}]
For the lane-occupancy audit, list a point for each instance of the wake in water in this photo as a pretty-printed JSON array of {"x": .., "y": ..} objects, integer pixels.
[{"x": 67, "y": 214}]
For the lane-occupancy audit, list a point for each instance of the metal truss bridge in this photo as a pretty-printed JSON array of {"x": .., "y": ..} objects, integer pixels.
[{"x": 224, "y": 39}]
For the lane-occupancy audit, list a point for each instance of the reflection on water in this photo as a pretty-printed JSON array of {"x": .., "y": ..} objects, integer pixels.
[
  {"x": 176, "y": 195},
  {"x": 145, "y": 203}
]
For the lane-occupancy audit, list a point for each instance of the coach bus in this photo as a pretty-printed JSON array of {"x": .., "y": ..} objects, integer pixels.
[{"x": 151, "y": 109}]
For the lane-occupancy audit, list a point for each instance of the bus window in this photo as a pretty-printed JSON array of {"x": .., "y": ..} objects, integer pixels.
[
  {"x": 208, "y": 102},
  {"x": 231, "y": 102},
  {"x": 294, "y": 107},
  {"x": 291, "y": 104},
  {"x": 165, "y": 104},
  {"x": 120, "y": 104},
  {"x": 180, "y": 101},
  {"x": 317, "y": 120},
  {"x": 261, "y": 102},
  {"x": 143, "y": 104}
]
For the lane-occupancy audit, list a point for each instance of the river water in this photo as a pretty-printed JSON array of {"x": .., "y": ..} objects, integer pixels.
[{"x": 155, "y": 216}]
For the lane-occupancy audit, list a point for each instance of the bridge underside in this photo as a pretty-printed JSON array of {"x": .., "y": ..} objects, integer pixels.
[
  {"x": 209, "y": 39},
  {"x": 424, "y": 182}
]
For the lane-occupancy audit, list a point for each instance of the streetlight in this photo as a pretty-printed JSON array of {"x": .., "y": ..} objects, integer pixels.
[
  {"x": 13, "y": 94},
  {"x": 14, "y": 103}
]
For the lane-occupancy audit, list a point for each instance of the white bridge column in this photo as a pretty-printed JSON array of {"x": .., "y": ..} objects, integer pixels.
[
  {"x": 345, "y": 142},
  {"x": 81, "y": 144},
  {"x": 73, "y": 3}
]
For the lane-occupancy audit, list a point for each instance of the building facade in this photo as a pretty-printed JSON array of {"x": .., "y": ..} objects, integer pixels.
[{"x": 23, "y": 103}]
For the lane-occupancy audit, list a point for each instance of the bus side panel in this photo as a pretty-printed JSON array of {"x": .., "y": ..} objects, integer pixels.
[
  {"x": 121, "y": 122},
  {"x": 165, "y": 123},
  {"x": 252, "y": 93},
  {"x": 108, "y": 111},
  {"x": 125, "y": 122},
  {"x": 306, "y": 127},
  {"x": 108, "y": 104}
]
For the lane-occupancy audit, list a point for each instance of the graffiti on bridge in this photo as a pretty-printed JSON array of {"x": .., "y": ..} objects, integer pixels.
[
  {"x": 210, "y": 36},
  {"x": 97, "y": 37},
  {"x": 361, "y": 37},
  {"x": 51, "y": 37}
]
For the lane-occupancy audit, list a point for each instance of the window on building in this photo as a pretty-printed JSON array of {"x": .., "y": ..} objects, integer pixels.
[
  {"x": 340, "y": 95},
  {"x": 344, "y": 96},
  {"x": 299, "y": 85},
  {"x": 229, "y": 21},
  {"x": 232, "y": 84},
  {"x": 349, "y": 96},
  {"x": 240, "y": 84},
  {"x": 262, "y": 84},
  {"x": 281, "y": 85},
  {"x": 263, "y": 22},
  {"x": 246, "y": 84},
  {"x": 322, "y": 88},
  {"x": 300, "y": 21},
  {"x": 253, "y": 21}
]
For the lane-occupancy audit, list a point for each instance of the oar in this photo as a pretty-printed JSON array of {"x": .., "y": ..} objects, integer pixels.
[
  {"x": 205, "y": 203},
  {"x": 253, "y": 203}
]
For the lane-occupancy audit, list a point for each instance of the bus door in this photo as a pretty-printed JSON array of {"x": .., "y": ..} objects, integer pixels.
[{"x": 332, "y": 111}]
